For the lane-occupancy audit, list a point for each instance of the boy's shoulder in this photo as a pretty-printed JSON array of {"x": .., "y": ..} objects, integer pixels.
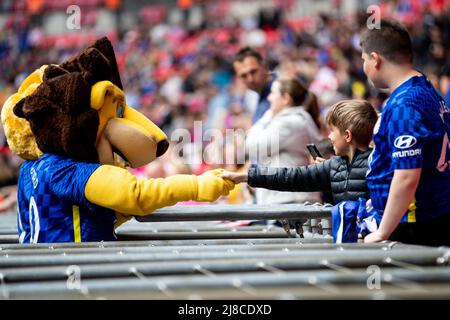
[
  {"x": 361, "y": 158},
  {"x": 336, "y": 161},
  {"x": 339, "y": 163}
]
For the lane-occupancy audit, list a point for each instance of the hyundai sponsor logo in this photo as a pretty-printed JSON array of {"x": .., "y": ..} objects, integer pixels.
[
  {"x": 406, "y": 153},
  {"x": 404, "y": 142}
]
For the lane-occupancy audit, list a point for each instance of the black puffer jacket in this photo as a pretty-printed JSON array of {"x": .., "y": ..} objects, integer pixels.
[{"x": 346, "y": 181}]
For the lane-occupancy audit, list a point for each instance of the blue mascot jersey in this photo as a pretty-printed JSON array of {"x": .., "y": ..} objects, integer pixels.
[
  {"x": 52, "y": 206},
  {"x": 413, "y": 133}
]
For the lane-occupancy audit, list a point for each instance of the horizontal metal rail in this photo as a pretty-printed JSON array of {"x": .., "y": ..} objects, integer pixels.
[
  {"x": 9, "y": 238},
  {"x": 142, "y": 249},
  {"x": 238, "y": 212},
  {"x": 385, "y": 245},
  {"x": 200, "y": 235},
  {"x": 71, "y": 259},
  {"x": 276, "y": 292},
  {"x": 195, "y": 245}
]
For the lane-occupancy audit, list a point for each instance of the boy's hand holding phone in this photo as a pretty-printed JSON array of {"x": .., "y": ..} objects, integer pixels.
[
  {"x": 315, "y": 153},
  {"x": 319, "y": 160}
]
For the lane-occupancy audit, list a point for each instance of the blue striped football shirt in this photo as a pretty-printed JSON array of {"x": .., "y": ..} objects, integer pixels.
[
  {"x": 52, "y": 206},
  {"x": 413, "y": 132}
]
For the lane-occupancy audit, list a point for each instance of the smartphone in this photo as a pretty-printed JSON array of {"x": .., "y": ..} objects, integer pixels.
[{"x": 313, "y": 150}]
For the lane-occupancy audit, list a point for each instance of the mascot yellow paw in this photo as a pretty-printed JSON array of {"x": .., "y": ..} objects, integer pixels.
[{"x": 211, "y": 187}]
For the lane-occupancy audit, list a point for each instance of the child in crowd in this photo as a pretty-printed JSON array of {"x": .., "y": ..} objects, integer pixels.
[{"x": 351, "y": 123}]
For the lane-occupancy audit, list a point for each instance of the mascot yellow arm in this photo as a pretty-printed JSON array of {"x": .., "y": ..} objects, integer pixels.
[{"x": 115, "y": 188}]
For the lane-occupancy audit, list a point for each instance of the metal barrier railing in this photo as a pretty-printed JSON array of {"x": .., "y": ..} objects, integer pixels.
[
  {"x": 269, "y": 268},
  {"x": 239, "y": 212},
  {"x": 306, "y": 215}
]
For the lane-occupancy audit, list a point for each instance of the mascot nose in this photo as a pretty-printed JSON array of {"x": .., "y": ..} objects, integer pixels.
[
  {"x": 147, "y": 127},
  {"x": 162, "y": 147}
]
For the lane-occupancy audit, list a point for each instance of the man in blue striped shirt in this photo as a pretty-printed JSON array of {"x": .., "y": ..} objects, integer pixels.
[{"x": 409, "y": 174}]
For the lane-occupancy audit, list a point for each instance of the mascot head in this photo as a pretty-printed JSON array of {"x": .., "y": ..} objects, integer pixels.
[{"x": 78, "y": 109}]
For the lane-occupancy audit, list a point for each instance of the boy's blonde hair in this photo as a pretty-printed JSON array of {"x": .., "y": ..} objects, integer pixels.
[{"x": 357, "y": 116}]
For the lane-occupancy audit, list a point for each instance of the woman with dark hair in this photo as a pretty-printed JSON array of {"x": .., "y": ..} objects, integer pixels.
[
  {"x": 311, "y": 105},
  {"x": 301, "y": 97}
]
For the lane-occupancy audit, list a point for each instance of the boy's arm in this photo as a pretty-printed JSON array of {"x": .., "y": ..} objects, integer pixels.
[
  {"x": 401, "y": 193},
  {"x": 315, "y": 177}
]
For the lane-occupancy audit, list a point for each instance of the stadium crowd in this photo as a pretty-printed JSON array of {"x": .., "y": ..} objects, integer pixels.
[{"x": 177, "y": 75}]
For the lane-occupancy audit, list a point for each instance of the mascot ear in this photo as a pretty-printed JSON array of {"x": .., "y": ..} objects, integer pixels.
[
  {"x": 94, "y": 65},
  {"x": 105, "y": 47},
  {"x": 53, "y": 71},
  {"x": 18, "y": 108},
  {"x": 31, "y": 107}
]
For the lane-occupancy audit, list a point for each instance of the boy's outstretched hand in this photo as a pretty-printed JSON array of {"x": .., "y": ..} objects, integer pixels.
[{"x": 236, "y": 177}]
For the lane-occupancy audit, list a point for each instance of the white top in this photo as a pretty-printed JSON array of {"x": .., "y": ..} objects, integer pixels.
[{"x": 280, "y": 141}]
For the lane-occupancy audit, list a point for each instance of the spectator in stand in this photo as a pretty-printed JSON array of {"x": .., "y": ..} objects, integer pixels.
[
  {"x": 409, "y": 174},
  {"x": 289, "y": 124},
  {"x": 250, "y": 68},
  {"x": 172, "y": 73}
]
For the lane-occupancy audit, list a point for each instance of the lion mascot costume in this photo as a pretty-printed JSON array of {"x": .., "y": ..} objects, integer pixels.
[{"x": 71, "y": 124}]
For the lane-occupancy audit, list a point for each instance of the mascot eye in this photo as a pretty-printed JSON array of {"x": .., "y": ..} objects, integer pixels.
[{"x": 119, "y": 111}]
